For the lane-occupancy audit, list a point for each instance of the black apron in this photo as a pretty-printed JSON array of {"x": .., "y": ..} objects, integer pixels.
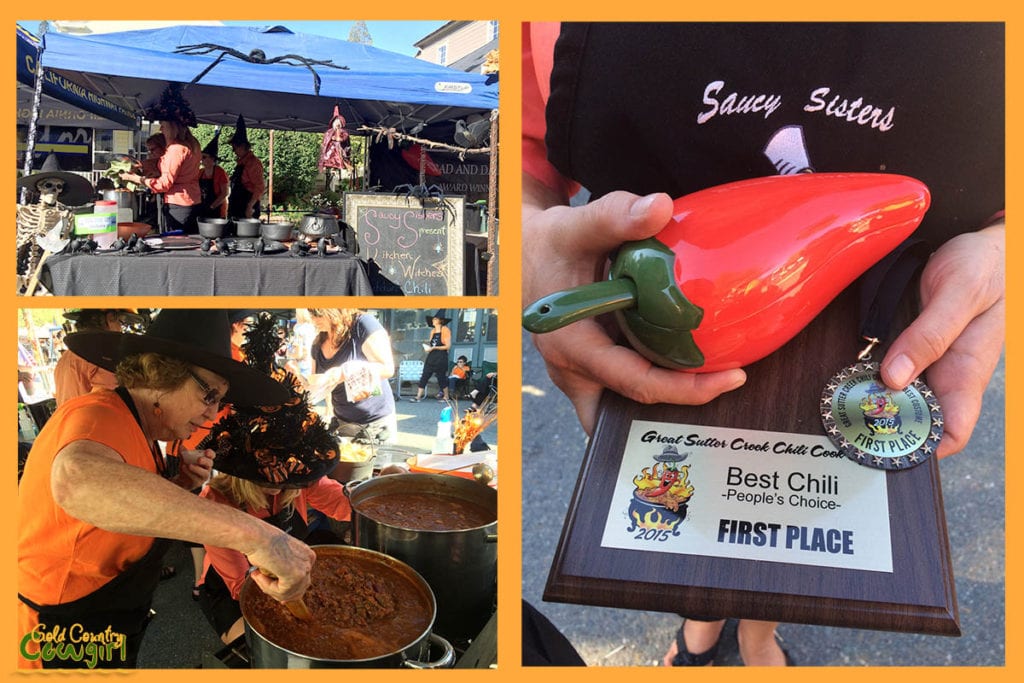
[
  {"x": 207, "y": 196},
  {"x": 122, "y": 604},
  {"x": 240, "y": 196}
]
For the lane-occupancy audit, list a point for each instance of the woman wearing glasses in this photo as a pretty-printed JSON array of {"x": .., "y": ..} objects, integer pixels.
[{"x": 98, "y": 499}]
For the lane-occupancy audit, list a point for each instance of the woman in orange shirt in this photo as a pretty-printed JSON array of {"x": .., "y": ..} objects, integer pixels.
[
  {"x": 97, "y": 493},
  {"x": 179, "y": 166}
]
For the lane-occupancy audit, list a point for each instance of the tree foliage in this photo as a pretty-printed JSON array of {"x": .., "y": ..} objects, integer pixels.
[
  {"x": 295, "y": 159},
  {"x": 359, "y": 33}
]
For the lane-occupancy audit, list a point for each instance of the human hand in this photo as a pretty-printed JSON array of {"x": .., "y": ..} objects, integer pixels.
[
  {"x": 569, "y": 246},
  {"x": 282, "y": 567},
  {"x": 958, "y": 335},
  {"x": 195, "y": 468},
  {"x": 130, "y": 177}
]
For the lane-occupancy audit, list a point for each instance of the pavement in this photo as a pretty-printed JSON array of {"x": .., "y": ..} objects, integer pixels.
[
  {"x": 179, "y": 635},
  {"x": 973, "y": 483}
]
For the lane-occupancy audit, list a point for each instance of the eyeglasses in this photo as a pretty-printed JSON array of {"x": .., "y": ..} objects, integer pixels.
[{"x": 209, "y": 396}]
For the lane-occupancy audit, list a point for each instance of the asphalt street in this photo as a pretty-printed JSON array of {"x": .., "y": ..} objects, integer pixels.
[{"x": 973, "y": 483}]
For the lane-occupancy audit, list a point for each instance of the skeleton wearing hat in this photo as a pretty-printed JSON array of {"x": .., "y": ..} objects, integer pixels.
[{"x": 57, "y": 190}]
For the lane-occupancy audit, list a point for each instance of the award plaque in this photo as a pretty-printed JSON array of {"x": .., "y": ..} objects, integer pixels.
[{"x": 744, "y": 508}]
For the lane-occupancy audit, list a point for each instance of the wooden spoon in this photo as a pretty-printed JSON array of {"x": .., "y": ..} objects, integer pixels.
[{"x": 298, "y": 607}]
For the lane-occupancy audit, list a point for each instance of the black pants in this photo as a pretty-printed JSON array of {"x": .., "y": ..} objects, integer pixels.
[{"x": 178, "y": 217}]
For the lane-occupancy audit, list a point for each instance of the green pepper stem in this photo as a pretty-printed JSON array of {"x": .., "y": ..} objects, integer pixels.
[{"x": 570, "y": 305}]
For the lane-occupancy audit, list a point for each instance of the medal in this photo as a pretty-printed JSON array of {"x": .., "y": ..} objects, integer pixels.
[
  {"x": 872, "y": 424},
  {"x": 876, "y": 426}
]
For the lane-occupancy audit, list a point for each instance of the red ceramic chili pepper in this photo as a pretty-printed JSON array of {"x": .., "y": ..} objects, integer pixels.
[
  {"x": 742, "y": 267},
  {"x": 411, "y": 154}
]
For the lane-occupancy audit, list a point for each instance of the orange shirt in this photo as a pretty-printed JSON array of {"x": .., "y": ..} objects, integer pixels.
[
  {"x": 74, "y": 376},
  {"x": 179, "y": 176},
  {"x": 325, "y": 495},
  {"x": 60, "y": 558},
  {"x": 252, "y": 174}
]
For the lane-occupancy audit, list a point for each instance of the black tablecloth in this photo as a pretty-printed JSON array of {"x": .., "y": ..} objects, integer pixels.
[{"x": 185, "y": 273}]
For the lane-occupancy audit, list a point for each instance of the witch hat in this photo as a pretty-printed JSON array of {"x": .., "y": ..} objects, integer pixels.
[
  {"x": 211, "y": 147},
  {"x": 172, "y": 107},
  {"x": 77, "y": 190},
  {"x": 201, "y": 337},
  {"x": 337, "y": 115},
  {"x": 240, "y": 137},
  {"x": 440, "y": 314}
]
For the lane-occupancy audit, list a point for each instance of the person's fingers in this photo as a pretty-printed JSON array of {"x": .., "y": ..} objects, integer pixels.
[
  {"x": 960, "y": 377},
  {"x": 961, "y": 281},
  {"x": 603, "y": 225},
  {"x": 585, "y": 359}
]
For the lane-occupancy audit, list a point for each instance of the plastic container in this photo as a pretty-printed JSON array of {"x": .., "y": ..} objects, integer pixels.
[
  {"x": 443, "y": 442},
  {"x": 101, "y": 227}
]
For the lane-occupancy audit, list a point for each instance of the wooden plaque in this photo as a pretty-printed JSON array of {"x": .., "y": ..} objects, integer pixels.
[{"x": 781, "y": 395}]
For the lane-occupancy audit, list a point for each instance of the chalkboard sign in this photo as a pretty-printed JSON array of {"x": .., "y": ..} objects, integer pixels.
[{"x": 418, "y": 244}]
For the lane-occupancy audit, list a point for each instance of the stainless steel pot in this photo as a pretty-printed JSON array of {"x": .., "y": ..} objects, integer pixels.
[
  {"x": 279, "y": 232},
  {"x": 125, "y": 199},
  {"x": 318, "y": 225},
  {"x": 247, "y": 227},
  {"x": 268, "y": 655},
  {"x": 460, "y": 566}
]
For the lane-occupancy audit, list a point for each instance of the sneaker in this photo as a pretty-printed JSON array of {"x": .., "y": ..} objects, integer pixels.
[{"x": 415, "y": 399}]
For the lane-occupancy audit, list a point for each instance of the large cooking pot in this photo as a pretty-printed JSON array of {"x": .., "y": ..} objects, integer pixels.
[
  {"x": 213, "y": 228},
  {"x": 461, "y": 566},
  {"x": 126, "y": 199},
  {"x": 397, "y": 632},
  {"x": 318, "y": 225},
  {"x": 278, "y": 232},
  {"x": 247, "y": 227}
]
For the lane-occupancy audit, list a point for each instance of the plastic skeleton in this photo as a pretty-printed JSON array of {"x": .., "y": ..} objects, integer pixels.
[{"x": 35, "y": 220}]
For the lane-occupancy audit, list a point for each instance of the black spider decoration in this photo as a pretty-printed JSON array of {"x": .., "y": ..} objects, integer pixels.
[
  {"x": 256, "y": 57},
  {"x": 425, "y": 195}
]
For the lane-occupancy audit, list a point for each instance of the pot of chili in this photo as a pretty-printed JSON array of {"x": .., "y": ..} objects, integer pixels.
[
  {"x": 369, "y": 610},
  {"x": 445, "y": 527}
]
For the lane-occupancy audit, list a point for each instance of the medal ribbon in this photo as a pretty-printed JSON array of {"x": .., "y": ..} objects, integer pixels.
[{"x": 883, "y": 285}]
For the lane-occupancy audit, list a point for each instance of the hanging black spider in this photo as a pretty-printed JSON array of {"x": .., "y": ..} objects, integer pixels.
[
  {"x": 425, "y": 195},
  {"x": 256, "y": 56}
]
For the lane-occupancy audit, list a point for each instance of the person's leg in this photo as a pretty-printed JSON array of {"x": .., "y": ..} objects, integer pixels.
[
  {"x": 758, "y": 644},
  {"x": 699, "y": 643},
  {"x": 237, "y": 629},
  {"x": 442, "y": 384},
  {"x": 198, "y": 554},
  {"x": 424, "y": 378}
]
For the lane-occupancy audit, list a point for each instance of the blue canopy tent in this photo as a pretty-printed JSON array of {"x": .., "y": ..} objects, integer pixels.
[
  {"x": 62, "y": 100},
  {"x": 377, "y": 87}
]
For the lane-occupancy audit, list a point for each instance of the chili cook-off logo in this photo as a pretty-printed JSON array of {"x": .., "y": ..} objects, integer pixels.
[
  {"x": 661, "y": 494},
  {"x": 74, "y": 644},
  {"x": 877, "y": 426}
]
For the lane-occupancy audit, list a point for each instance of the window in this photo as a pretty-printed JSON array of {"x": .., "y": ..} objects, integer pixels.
[
  {"x": 442, "y": 54},
  {"x": 492, "y": 31}
]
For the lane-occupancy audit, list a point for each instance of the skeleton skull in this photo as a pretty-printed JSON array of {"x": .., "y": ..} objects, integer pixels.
[{"x": 49, "y": 189}]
